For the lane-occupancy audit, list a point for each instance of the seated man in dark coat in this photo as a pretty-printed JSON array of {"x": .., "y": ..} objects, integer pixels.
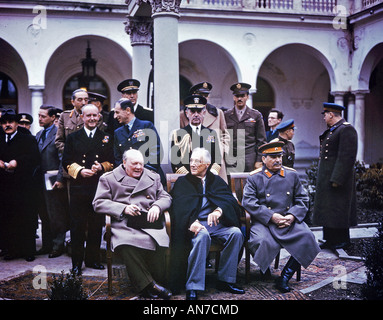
[
  {"x": 203, "y": 210},
  {"x": 276, "y": 202}
]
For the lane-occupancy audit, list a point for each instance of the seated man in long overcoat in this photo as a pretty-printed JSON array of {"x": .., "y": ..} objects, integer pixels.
[
  {"x": 136, "y": 200},
  {"x": 276, "y": 202}
]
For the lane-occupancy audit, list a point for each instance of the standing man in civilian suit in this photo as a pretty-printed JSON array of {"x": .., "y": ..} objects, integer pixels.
[
  {"x": 247, "y": 130},
  {"x": 54, "y": 205},
  {"x": 335, "y": 196},
  {"x": 276, "y": 202},
  {"x": 88, "y": 153}
]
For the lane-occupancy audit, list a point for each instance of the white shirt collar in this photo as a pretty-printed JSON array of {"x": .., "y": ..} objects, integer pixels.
[{"x": 89, "y": 131}]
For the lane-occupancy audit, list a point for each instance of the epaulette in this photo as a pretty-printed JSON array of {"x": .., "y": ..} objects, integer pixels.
[
  {"x": 346, "y": 123},
  {"x": 255, "y": 171},
  {"x": 288, "y": 168}
]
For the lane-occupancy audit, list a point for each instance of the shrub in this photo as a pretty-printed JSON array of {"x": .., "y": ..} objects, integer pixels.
[
  {"x": 373, "y": 254},
  {"x": 67, "y": 287},
  {"x": 370, "y": 186}
]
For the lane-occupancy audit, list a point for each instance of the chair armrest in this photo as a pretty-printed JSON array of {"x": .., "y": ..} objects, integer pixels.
[{"x": 167, "y": 223}]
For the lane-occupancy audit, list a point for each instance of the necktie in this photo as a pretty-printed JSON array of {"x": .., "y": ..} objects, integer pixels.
[
  {"x": 9, "y": 138},
  {"x": 44, "y": 135},
  {"x": 90, "y": 135},
  {"x": 204, "y": 199},
  {"x": 127, "y": 129}
]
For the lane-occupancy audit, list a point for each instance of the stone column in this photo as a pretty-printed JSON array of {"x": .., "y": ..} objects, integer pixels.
[
  {"x": 165, "y": 14},
  {"x": 140, "y": 31},
  {"x": 359, "y": 121},
  {"x": 36, "y": 102},
  {"x": 351, "y": 110},
  {"x": 338, "y": 97}
]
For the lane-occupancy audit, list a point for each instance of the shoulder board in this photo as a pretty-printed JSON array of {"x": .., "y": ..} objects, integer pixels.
[
  {"x": 288, "y": 168},
  {"x": 346, "y": 123},
  {"x": 255, "y": 171}
]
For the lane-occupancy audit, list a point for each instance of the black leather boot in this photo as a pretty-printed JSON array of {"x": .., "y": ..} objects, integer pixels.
[{"x": 287, "y": 273}]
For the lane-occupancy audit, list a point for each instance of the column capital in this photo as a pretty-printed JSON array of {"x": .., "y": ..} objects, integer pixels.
[
  {"x": 140, "y": 30},
  {"x": 165, "y": 6},
  {"x": 338, "y": 93},
  {"x": 360, "y": 93},
  {"x": 36, "y": 87}
]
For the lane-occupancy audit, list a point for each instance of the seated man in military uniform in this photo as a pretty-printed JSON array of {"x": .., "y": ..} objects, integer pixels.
[{"x": 276, "y": 202}]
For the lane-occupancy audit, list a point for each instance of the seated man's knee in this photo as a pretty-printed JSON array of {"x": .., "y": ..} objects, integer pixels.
[{"x": 203, "y": 236}]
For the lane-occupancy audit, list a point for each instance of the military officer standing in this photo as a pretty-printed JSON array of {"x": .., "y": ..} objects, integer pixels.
[
  {"x": 88, "y": 153},
  {"x": 71, "y": 120},
  {"x": 247, "y": 131},
  {"x": 214, "y": 119},
  {"x": 286, "y": 134},
  {"x": 136, "y": 134},
  {"x": 194, "y": 135},
  {"x": 335, "y": 196},
  {"x": 129, "y": 89},
  {"x": 276, "y": 202}
]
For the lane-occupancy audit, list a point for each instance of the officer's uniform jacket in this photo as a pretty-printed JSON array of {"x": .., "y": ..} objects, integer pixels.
[
  {"x": 70, "y": 121},
  {"x": 185, "y": 140},
  {"x": 215, "y": 120},
  {"x": 266, "y": 193},
  {"x": 254, "y": 136},
  {"x": 288, "y": 153},
  {"x": 142, "y": 134},
  {"x": 144, "y": 113},
  {"x": 81, "y": 152},
  {"x": 116, "y": 190},
  {"x": 336, "y": 207}
]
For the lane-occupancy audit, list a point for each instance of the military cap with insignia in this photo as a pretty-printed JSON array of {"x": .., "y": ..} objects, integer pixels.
[
  {"x": 129, "y": 85},
  {"x": 273, "y": 147},
  {"x": 201, "y": 88},
  {"x": 195, "y": 101},
  {"x": 93, "y": 96},
  {"x": 8, "y": 115},
  {"x": 332, "y": 107},
  {"x": 240, "y": 88},
  {"x": 24, "y": 117},
  {"x": 288, "y": 124}
]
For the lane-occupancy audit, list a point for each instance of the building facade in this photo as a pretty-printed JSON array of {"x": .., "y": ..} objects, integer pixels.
[{"x": 295, "y": 54}]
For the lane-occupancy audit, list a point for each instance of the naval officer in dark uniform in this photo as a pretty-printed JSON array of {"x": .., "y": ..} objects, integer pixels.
[
  {"x": 88, "y": 153},
  {"x": 335, "y": 196},
  {"x": 286, "y": 134}
]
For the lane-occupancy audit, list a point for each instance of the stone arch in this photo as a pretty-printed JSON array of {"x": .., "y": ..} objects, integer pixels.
[
  {"x": 301, "y": 77},
  {"x": 202, "y": 60},
  {"x": 113, "y": 65},
  {"x": 13, "y": 66}
]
